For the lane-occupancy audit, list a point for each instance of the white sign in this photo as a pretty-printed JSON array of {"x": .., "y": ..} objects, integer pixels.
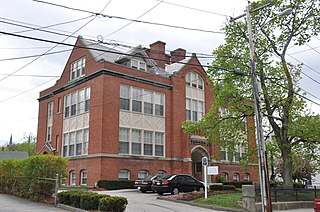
[{"x": 213, "y": 170}]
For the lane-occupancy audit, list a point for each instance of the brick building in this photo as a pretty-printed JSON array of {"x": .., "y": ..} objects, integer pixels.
[{"x": 119, "y": 115}]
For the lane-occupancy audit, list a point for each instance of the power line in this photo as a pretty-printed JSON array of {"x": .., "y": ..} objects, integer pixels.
[
  {"x": 53, "y": 46},
  {"x": 19, "y": 23},
  {"x": 136, "y": 18},
  {"x": 191, "y": 8},
  {"x": 129, "y": 19},
  {"x": 108, "y": 51},
  {"x": 30, "y": 75}
]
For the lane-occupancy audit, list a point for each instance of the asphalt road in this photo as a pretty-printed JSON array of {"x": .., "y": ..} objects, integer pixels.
[
  {"x": 148, "y": 202},
  {"x": 10, "y": 203}
]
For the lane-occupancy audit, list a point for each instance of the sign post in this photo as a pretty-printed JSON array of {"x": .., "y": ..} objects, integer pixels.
[{"x": 205, "y": 164}]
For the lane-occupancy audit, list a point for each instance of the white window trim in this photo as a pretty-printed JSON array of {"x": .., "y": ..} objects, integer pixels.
[{"x": 81, "y": 177}]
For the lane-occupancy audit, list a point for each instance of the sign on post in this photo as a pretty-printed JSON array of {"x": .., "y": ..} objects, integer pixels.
[
  {"x": 205, "y": 164},
  {"x": 213, "y": 170}
]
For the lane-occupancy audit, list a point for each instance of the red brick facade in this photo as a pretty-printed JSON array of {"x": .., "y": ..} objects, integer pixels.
[{"x": 104, "y": 78}]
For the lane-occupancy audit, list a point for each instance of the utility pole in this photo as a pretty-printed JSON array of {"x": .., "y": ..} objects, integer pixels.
[
  {"x": 262, "y": 159},
  {"x": 263, "y": 168}
]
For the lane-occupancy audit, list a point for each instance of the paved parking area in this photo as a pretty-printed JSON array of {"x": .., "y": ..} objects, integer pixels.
[{"x": 10, "y": 203}]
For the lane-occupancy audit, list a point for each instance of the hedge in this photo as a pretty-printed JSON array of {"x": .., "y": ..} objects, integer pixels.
[
  {"x": 115, "y": 184},
  {"x": 217, "y": 187},
  {"x": 113, "y": 204},
  {"x": 24, "y": 178},
  {"x": 238, "y": 184},
  {"x": 93, "y": 201}
]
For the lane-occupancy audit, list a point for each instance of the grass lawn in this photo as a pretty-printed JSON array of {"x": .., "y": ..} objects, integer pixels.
[{"x": 223, "y": 200}]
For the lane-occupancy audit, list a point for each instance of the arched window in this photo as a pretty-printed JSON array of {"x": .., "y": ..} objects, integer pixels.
[
  {"x": 224, "y": 176},
  {"x": 161, "y": 173},
  {"x": 142, "y": 174},
  {"x": 83, "y": 177},
  {"x": 72, "y": 177},
  {"x": 236, "y": 177},
  {"x": 124, "y": 174},
  {"x": 246, "y": 177},
  {"x": 194, "y": 97}
]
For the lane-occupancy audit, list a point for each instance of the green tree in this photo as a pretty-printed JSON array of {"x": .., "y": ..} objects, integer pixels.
[
  {"x": 28, "y": 144},
  {"x": 283, "y": 106}
]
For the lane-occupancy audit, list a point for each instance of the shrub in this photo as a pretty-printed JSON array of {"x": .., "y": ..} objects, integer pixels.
[
  {"x": 90, "y": 201},
  {"x": 238, "y": 184},
  {"x": 113, "y": 204},
  {"x": 229, "y": 187},
  {"x": 25, "y": 177},
  {"x": 115, "y": 184},
  {"x": 216, "y": 187},
  {"x": 64, "y": 197}
]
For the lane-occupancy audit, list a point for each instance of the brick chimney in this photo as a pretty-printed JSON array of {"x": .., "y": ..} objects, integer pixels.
[
  {"x": 157, "y": 51},
  {"x": 177, "y": 55}
]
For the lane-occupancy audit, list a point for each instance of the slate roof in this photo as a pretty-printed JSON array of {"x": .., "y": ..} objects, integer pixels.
[
  {"x": 4, "y": 155},
  {"x": 116, "y": 56}
]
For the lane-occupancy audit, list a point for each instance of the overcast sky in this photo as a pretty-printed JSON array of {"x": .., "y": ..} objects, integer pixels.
[{"x": 21, "y": 80}]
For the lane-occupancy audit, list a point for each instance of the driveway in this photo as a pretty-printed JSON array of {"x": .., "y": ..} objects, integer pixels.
[
  {"x": 10, "y": 203},
  {"x": 148, "y": 202}
]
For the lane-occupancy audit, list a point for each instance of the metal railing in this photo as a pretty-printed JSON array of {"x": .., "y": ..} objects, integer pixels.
[
  {"x": 17, "y": 184},
  {"x": 291, "y": 195}
]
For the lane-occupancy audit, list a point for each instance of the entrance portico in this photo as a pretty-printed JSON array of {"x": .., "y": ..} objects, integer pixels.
[{"x": 197, "y": 153}]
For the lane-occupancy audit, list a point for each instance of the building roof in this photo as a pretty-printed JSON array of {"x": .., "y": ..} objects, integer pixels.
[
  {"x": 107, "y": 54},
  {"x": 116, "y": 56},
  {"x": 4, "y": 155}
]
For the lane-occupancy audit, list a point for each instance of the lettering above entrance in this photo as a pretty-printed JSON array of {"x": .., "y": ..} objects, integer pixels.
[{"x": 198, "y": 140}]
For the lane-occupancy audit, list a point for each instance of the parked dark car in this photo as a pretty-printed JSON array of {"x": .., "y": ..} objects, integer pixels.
[
  {"x": 175, "y": 183},
  {"x": 145, "y": 184}
]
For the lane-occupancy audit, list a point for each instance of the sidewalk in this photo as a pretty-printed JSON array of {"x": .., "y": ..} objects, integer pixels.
[{"x": 9, "y": 203}]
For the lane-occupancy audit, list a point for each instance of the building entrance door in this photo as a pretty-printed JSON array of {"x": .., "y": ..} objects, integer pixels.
[{"x": 196, "y": 157}]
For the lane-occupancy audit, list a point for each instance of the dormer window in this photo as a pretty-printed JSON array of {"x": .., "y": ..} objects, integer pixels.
[
  {"x": 77, "y": 69},
  {"x": 138, "y": 65}
]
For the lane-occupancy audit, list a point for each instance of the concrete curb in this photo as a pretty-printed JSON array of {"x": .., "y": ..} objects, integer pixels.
[
  {"x": 202, "y": 205},
  {"x": 70, "y": 208}
]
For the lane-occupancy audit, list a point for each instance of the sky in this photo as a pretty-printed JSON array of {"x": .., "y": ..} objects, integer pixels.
[{"x": 21, "y": 80}]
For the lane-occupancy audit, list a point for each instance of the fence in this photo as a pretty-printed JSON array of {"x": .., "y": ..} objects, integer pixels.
[
  {"x": 289, "y": 195},
  {"x": 35, "y": 187}
]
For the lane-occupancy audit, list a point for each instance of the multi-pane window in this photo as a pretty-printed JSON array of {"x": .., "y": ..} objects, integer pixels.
[
  {"x": 136, "y": 99},
  {"x": 148, "y": 102},
  {"x": 75, "y": 143},
  {"x": 236, "y": 177},
  {"x": 232, "y": 156},
  {"x": 224, "y": 176},
  {"x": 77, "y": 102},
  {"x": 77, "y": 69},
  {"x": 246, "y": 177},
  {"x": 50, "y": 109},
  {"x": 142, "y": 101},
  {"x": 83, "y": 177},
  {"x": 72, "y": 178},
  {"x": 194, "y": 99},
  {"x": 137, "y": 64},
  {"x": 71, "y": 143},
  {"x": 141, "y": 142},
  {"x": 194, "y": 109},
  {"x": 194, "y": 80},
  {"x": 142, "y": 174},
  {"x": 124, "y": 97},
  {"x": 49, "y": 134},
  {"x": 124, "y": 175},
  {"x": 124, "y": 140},
  {"x": 148, "y": 138},
  {"x": 79, "y": 142},
  {"x": 136, "y": 142},
  {"x": 159, "y": 143}
]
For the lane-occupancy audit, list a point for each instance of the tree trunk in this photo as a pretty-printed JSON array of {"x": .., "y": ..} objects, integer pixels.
[{"x": 287, "y": 165}]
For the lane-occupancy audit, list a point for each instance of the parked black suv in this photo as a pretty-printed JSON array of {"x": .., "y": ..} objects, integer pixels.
[
  {"x": 175, "y": 183},
  {"x": 145, "y": 184}
]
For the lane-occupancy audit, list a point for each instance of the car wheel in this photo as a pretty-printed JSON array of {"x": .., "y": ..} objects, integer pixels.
[
  {"x": 160, "y": 193},
  {"x": 175, "y": 191},
  {"x": 201, "y": 189},
  {"x": 143, "y": 191}
]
